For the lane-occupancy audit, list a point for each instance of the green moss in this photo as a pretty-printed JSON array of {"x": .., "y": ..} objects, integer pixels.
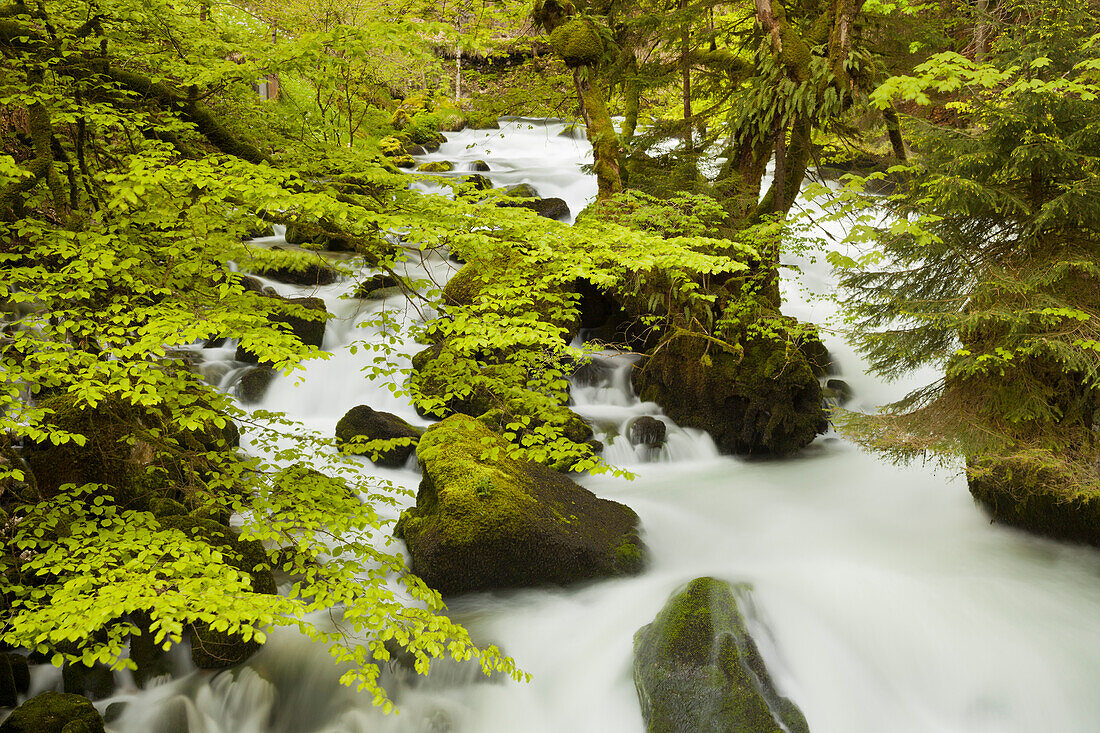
[
  {"x": 1040, "y": 492},
  {"x": 54, "y": 712},
  {"x": 391, "y": 147},
  {"x": 578, "y": 43},
  {"x": 484, "y": 520},
  {"x": 164, "y": 507},
  {"x": 760, "y": 397},
  {"x": 437, "y": 166},
  {"x": 696, "y": 667}
]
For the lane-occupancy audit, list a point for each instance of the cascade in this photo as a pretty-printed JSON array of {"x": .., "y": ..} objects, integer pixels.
[{"x": 890, "y": 603}]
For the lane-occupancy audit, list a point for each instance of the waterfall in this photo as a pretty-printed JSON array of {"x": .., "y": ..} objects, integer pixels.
[{"x": 890, "y": 602}]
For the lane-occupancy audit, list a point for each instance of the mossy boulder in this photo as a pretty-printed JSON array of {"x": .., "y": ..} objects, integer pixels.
[
  {"x": 1039, "y": 492},
  {"x": 54, "y": 712},
  {"x": 106, "y": 458},
  {"x": 574, "y": 130},
  {"x": 647, "y": 431},
  {"x": 481, "y": 166},
  {"x": 308, "y": 233},
  {"x": 437, "y": 166},
  {"x": 765, "y": 400},
  {"x": 309, "y": 329},
  {"x": 578, "y": 43},
  {"x": 362, "y": 424},
  {"x": 309, "y": 273},
  {"x": 521, "y": 191},
  {"x": 403, "y": 161},
  {"x": 551, "y": 208},
  {"x": 254, "y": 383},
  {"x": 391, "y": 147},
  {"x": 483, "y": 520},
  {"x": 477, "y": 182},
  {"x": 697, "y": 668},
  {"x": 95, "y": 682},
  {"x": 526, "y": 413}
]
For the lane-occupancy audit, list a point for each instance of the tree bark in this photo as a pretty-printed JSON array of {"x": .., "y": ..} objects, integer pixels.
[{"x": 600, "y": 131}]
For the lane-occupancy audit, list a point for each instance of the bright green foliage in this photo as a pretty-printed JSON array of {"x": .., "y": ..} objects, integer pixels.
[
  {"x": 992, "y": 271},
  {"x": 116, "y": 221}
]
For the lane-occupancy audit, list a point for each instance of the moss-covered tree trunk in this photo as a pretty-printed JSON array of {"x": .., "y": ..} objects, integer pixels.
[{"x": 600, "y": 130}]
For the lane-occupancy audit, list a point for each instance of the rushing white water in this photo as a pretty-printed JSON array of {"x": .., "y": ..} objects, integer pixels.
[{"x": 889, "y": 601}]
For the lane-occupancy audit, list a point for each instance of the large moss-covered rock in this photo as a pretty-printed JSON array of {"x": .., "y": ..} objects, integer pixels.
[
  {"x": 54, "y": 712},
  {"x": 764, "y": 400},
  {"x": 361, "y": 424},
  {"x": 578, "y": 42},
  {"x": 551, "y": 208},
  {"x": 108, "y": 457},
  {"x": 483, "y": 520},
  {"x": 1038, "y": 492},
  {"x": 309, "y": 330},
  {"x": 312, "y": 273},
  {"x": 436, "y": 166},
  {"x": 697, "y": 669}
]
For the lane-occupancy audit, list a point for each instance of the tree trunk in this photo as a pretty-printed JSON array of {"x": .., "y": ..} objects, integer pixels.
[
  {"x": 893, "y": 129},
  {"x": 600, "y": 130},
  {"x": 632, "y": 92},
  {"x": 685, "y": 71}
]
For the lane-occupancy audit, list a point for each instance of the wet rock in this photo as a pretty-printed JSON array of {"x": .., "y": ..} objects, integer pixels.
[
  {"x": 310, "y": 331},
  {"x": 309, "y": 233},
  {"x": 254, "y": 383},
  {"x": 365, "y": 424},
  {"x": 483, "y": 522},
  {"x": 94, "y": 683},
  {"x": 373, "y": 286},
  {"x": 9, "y": 694},
  {"x": 114, "y": 711},
  {"x": 838, "y": 391},
  {"x": 697, "y": 668},
  {"x": 404, "y": 161},
  {"x": 172, "y": 715},
  {"x": 648, "y": 431},
  {"x": 212, "y": 649},
  {"x": 15, "y": 675},
  {"x": 54, "y": 712},
  {"x": 480, "y": 166},
  {"x": 415, "y": 150},
  {"x": 764, "y": 401}
]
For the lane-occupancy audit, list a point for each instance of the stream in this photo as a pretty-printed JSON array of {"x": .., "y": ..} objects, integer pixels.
[{"x": 885, "y": 601}]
